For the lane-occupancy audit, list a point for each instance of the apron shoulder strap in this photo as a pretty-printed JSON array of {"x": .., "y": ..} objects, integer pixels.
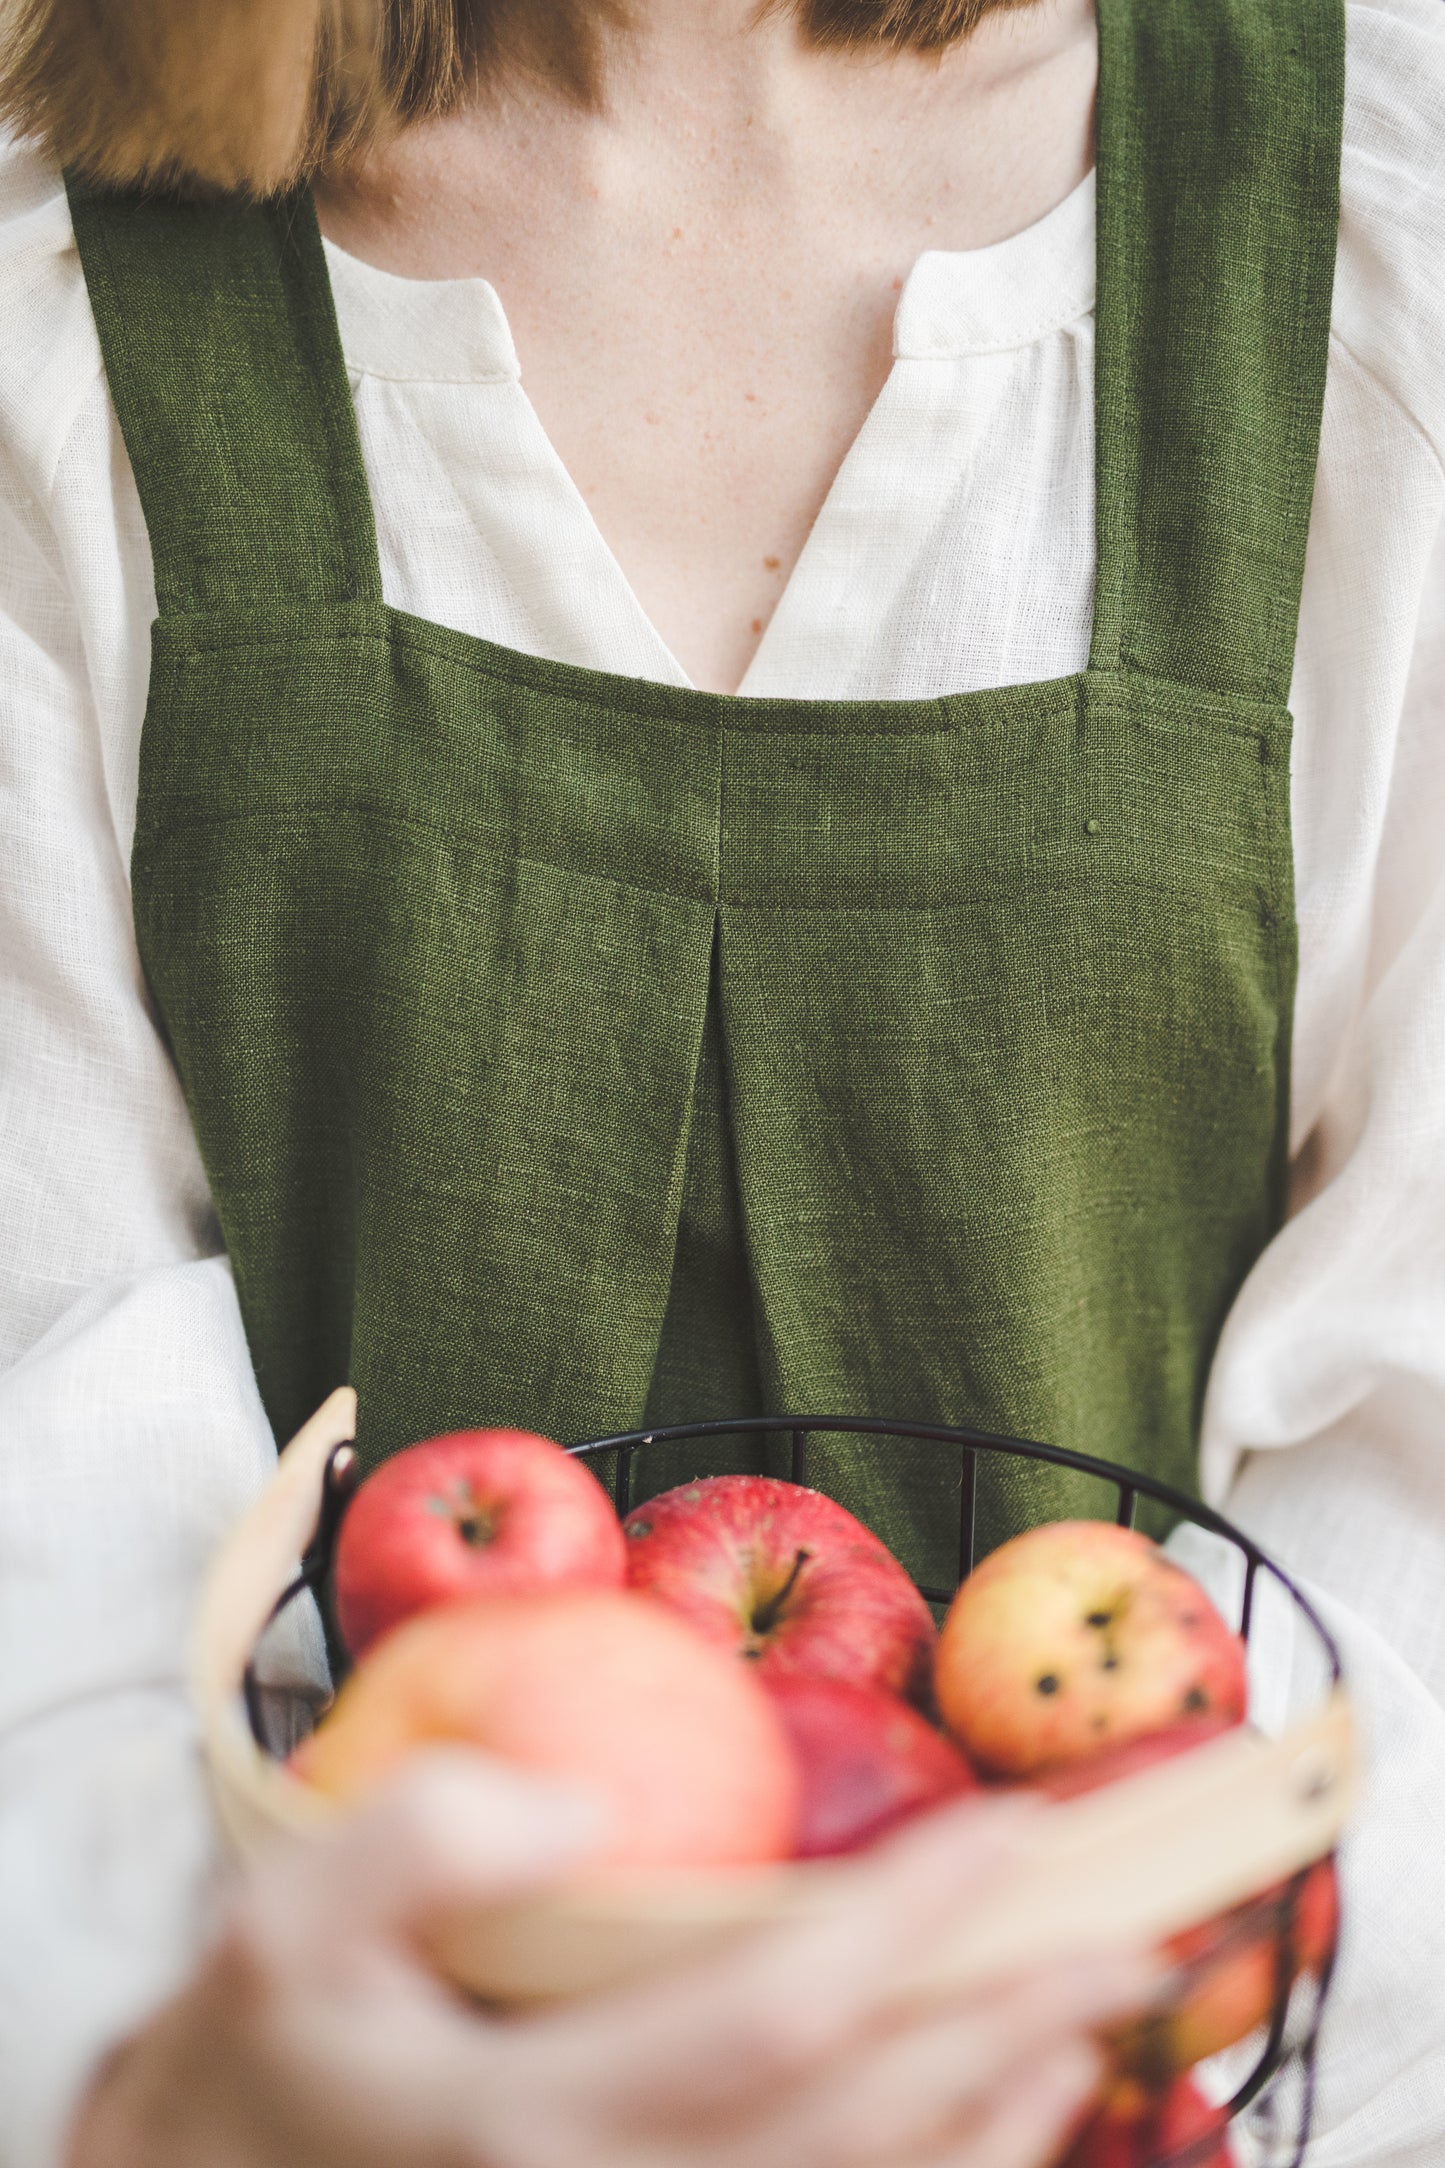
[
  {"x": 1219, "y": 154},
  {"x": 225, "y": 367},
  {"x": 1220, "y": 126}
]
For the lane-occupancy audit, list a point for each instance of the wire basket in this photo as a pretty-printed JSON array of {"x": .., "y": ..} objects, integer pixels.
[{"x": 1141, "y": 1860}]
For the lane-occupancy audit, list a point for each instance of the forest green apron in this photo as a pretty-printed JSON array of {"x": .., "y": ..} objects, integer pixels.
[{"x": 985, "y": 1117}]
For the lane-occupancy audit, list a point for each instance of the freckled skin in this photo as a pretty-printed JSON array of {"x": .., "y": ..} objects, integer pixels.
[
  {"x": 787, "y": 1578},
  {"x": 1076, "y": 1637},
  {"x": 800, "y": 186}
]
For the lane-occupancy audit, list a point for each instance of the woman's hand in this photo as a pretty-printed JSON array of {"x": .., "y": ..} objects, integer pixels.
[{"x": 315, "y": 2036}]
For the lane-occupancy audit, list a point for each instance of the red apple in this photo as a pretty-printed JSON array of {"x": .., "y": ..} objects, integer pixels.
[
  {"x": 868, "y": 1761},
  {"x": 1231, "y": 1968},
  {"x": 476, "y": 1513},
  {"x": 598, "y": 1688},
  {"x": 1229, "y": 1965},
  {"x": 785, "y": 1577},
  {"x": 1076, "y": 1636},
  {"x": 1138, "y": 2130}
]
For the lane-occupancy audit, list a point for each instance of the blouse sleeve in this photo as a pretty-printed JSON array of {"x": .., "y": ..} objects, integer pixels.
[
  {"x": 1325, "y": 1437},
  {"x": 1324, "y": 1425},
  {"x": 130, "y": 1429}
]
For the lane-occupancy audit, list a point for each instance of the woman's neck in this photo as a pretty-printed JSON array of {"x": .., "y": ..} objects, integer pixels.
[
  {"x": 734, "y": 113},
  {"x": 701, "y": 261}
]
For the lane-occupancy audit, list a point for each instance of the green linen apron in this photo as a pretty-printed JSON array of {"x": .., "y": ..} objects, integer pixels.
[{"x": 565, "y": 1050}]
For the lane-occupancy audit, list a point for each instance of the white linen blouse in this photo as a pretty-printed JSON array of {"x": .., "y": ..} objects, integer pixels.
[{"x": 954, "y": 551}]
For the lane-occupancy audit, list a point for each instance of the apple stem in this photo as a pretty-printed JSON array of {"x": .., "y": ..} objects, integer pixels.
[
  {"x": 766, "y": 1617},
  {"x": 476, "y": 1527}
]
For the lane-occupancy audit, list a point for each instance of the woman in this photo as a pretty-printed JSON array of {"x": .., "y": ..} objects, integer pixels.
[{"x": 533, "y": 1030}]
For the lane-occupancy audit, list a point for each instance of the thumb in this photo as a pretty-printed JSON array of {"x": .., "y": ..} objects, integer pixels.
[{"x": 452, "y": 1828}]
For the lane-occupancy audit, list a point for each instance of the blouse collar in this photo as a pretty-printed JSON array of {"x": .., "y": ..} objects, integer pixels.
[
  {"x": 988, "y": 300},
  {"x": 954, "y": 301},
  {"x": 437, "y": 331}
]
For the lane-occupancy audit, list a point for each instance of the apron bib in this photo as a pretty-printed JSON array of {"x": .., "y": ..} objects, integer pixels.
[{"x": 565, "y": 1050}]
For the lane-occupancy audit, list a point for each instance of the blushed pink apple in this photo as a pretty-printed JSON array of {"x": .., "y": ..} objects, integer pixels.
[
  {"x": 598, "y": 1688},
  {"x": 1230, "y": 1968}
]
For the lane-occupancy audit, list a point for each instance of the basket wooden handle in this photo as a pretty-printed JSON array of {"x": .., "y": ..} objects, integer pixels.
[
  {"x": 1118, "y": 1869},
  {"x": 255, "y": 1799},
  {"x": 1160, "y": 1851}
]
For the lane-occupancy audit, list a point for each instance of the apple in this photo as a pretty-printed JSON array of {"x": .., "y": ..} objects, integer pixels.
[
  {"x": 868, "y": 1761},
  {"x": 1134, "y": 2129},
  {"x": 1229, "y": 1965},
  {"x": 1231, "y": 1969},
  {"x": 786, "y": 1578},
  {"x": 475, "y": 1513},
  {"x": 595, "y": 1687},
  {"x": 1070, "y": 1780},
  {"x": 1077, "y": 1636}
]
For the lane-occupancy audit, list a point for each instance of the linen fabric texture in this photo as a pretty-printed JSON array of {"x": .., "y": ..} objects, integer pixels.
[
  {"x": 431, "y": 927},
  {"x": 138, "y": 1405}
]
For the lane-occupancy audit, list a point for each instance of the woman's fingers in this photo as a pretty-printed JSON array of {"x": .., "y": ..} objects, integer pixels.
[
  {"x": 758, "y": 2017},
  {"x": 975, "y": 2044},
  {"x": 1030, "y": 2122},
  {"x": 904, "y": 2096},
  {"x": 314, "y": 2036},
  {"x": 787, "y": 2051},
  {"x": 454, "y": 1828}
]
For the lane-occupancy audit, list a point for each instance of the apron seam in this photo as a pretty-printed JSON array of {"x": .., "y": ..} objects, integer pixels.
[
  {"x": 199, "y": 825},
  {"x": 1118, "y": 690}
]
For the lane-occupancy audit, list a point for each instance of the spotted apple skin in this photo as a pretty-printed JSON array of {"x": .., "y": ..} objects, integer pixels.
[
  {"x": 1079, "y": 1636},
  {"x": 787, "y": 1578}
]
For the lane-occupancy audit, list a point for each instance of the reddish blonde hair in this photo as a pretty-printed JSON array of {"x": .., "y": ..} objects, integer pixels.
[{"x": 252, "y": 94}]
